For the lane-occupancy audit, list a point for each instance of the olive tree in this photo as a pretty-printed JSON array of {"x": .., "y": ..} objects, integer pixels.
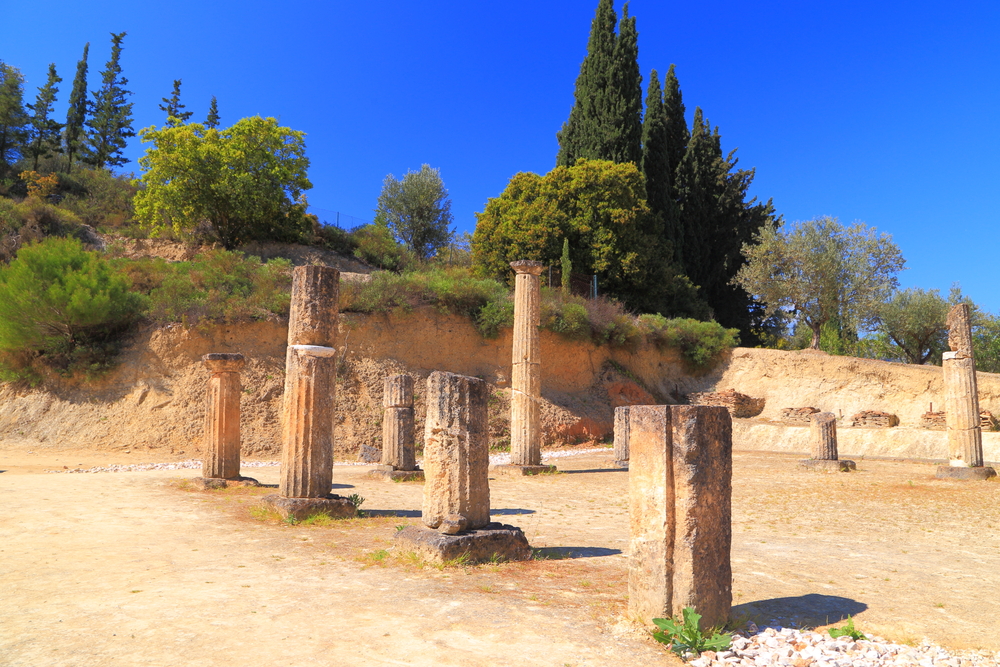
[
  {"x": 820, "y": 271},
  {"x": 417, "y": 210}
]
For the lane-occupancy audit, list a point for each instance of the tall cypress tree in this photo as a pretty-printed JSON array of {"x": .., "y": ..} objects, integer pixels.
[
  {"x": 656, "y": 159},
  {"x": 44, "y": 130},
  {"x": 76, "y": 115},
  {"x": 677, "y": 129},
  {"x": 606, "y": 120},
  {"x": 111, "y": 122},
  {"x": 212, "y": 121},
  {"x": 13, "y": 119},
  {"x": 172, "y": 106}
]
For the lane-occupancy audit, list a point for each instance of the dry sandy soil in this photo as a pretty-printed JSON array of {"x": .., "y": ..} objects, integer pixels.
[{"x": 138, "y": 569}]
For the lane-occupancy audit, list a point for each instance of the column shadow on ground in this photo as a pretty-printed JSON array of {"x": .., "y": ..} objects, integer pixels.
[
  {"x": 575, "y": 472},
  {"x": 560, "y": 553},
  {"x": 341, "y": 486},
  {"x": 807, "y": 610},
  {"x": 399, "y": 513},
  {"x": 506, "y": 512}
]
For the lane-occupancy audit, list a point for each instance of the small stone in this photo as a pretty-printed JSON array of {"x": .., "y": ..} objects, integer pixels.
[{"x": 452, "y": 524}]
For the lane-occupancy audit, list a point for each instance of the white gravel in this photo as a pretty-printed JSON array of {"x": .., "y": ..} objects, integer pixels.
[
  {"x": 788, "y": 647},
  {"x": 194, "y": 464}
]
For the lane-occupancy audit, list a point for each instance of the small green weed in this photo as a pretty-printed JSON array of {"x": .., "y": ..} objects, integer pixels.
[
  {"x": 847, "y": 631},
  {"x": 684, "y": 636}
]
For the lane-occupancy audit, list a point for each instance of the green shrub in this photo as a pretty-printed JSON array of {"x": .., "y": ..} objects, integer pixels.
[
  {"x": 98, "y": 198},
  {"x": 335, "y": 239},
  {"x": 683, "y": 635},
  {"x": 63, "y": 303},
  {"x": 377, "y": 246},
  {"x": 564, "y": 313},
  {"x": 699, "y": 342}
]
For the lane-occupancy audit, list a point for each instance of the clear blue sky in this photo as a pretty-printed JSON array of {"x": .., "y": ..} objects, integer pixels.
[{"x": 884, "y": 112}]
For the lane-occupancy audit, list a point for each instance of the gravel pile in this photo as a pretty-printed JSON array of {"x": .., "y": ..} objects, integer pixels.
[{"x": 788, "y": 647}]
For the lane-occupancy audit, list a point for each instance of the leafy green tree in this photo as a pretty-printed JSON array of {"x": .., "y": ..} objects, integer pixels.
[
  {"x": 246, "y": 181},
  {"x": 600, "y": 208},
  {"x": 76, "y": 114},
  {"x": 172, "y": 105},
  {"x": 820, "y": 270},
  {"x": 212, "y": 121},
  {"x": 417, "y": 210},
  {"x": 914, "y": 322},
  {"x": 13, "y": 119},
  {"x": 44, "y": 133},
  {"x": 55, "y": 295},
  {"x": 606, "y": 120},
  {"x": 111, "y": 121}
]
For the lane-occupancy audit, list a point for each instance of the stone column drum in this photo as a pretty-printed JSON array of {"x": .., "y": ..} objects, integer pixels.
[
  {"x": 965, "y": 436},
  {"x": 525, "y": 378},
  {"x": 621, "y": 436},
  {"x": 397, "y": 423},
  {"x": 222, "y": 421},
  {"x": 456, "y": 454},
  {"x": 823, "y": 437},
  {"x": 308, "y": 402},
  {"x": 680, "y": 511}
]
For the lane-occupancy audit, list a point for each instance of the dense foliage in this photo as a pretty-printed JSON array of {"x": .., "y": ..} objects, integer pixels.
[{"x": 417, "y": 210}]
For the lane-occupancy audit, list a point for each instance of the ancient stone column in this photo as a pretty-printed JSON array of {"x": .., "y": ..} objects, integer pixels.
[
  {"x": 823, "y": 437},
  {"x": 621, "y": 436},
  {"x": 965, "y": 436},
  {"x": 680, "y": 511},
  {"x": 456, "y": 454},
  {"x": 526, "y": 380},
  {"x": 397, "y": 423},
  {"x": 222, "y": 422}
]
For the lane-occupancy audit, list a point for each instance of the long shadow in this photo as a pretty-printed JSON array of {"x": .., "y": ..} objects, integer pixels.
[
  {"x": 507, "y": 512},
  {"x": 400, "y": 513},
  {"x": 341, "y": 486},
  {"x": 575, "y": 472},
  {"x": 559, "y": 553},
  {"x": 809, "y": 609}
]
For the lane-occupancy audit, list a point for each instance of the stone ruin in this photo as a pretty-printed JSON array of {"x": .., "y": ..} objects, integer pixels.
[
  {"x": 221, "y": 462},
  {"x": 965, "y": 435},
  {"x": 680, "y": 512},
  {"x": 937, "y": 421},
  {"x": 621, "y": 436},
  {"x": 740, "y": 406},
  {"x": 823, "y": 437},
  {"x": 798, "y": 416},
  {"x": 456, "y": 506},
  {"x": 398, "y": 462},
  {"x": 309, "y": 399},
  {"x": 874, "y": 419},
  {"x": 526, "y": 376}
]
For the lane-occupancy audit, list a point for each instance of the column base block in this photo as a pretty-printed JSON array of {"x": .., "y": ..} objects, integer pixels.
[
  {"x": 514, "y": 470},
  {"x": 824, "y": 465},
  {"x": 964, "y": 473},
  {"x": 388, "y": 474},
  {"x": 333, "y": 506},
  {"x": 491, "y": 543},
  {"x": 207, "y": 483},
  {"x": 621, "y": 464}
]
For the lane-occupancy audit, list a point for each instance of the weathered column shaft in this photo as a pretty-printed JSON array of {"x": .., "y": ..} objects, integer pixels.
[
  {"x": 680, "y": 511},
  {"x": 823, "y": 434},
  {"x": 222, "y": 421},
  {"x": 397, "y": 423},
  {"x": 312, "y": 315},
  {"x": 456, "y": 450},
  {"x": 960, "y": 330},
  {"x": 965, "y": 439},
  {"x": 525, "y": 433},
  {"x": 621, "y": 436},
  {"x": 307, "y": 431}
]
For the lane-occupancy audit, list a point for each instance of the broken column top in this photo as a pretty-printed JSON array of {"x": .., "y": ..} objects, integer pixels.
[
  {"x": 224, "y": 362},
  {"x": 527, "y": 266},
  {"x": 960, "y": 330},
  {"x": 312, "y": 317},
  {"x": 398, "y": 392}
]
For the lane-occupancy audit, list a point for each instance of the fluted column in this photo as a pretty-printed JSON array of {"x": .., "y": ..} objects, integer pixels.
[
  {"x": 397, "y": 423},
  {"x": 965, "y": 439},
  {"x": 222, "y": 421},
  {"x": 823, "y": 433},
  {"x": 525, "y": 435}
]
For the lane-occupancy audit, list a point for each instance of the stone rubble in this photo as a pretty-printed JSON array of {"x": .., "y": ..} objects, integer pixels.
[{"x": 790, "y": 647}]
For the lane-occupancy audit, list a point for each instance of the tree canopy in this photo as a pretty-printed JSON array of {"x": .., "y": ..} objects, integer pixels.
[
  {"x": 110, "y": 123},
  {"x": 914, "y": 322},
  {"x": 246, "y": 181},
  {"x": 821, "y": 271},
  {"x": 417, "y": 210}
]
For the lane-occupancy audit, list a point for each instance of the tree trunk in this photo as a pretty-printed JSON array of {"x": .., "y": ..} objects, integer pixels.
[{"x": 815, "y": 341}]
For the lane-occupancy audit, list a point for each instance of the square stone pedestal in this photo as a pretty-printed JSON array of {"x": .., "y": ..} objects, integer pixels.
[
  {"x": 389, "y": 474},
  {"x": 206, "y": 483},
  {"x": 965, "y": 473},
  {"x": 514, "y": 470},
  {"x": 333, "y": 506},
  {"x": 826, "y": 465},
  {"x": 494, "y": 541}
]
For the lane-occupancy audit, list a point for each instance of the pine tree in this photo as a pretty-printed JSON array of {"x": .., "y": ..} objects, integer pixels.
[
  {"x": 13, "y": 119},
  {"x": 76, "y": 115},
  {"x": 111, "y": 122},
  {"x": 212, "y": 121},
  {"x": 44, "y": 130},
  {"x": 172, "y": 106}
]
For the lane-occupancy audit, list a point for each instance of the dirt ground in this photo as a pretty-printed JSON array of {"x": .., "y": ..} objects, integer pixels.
[{"x": 138, "y": 569}]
